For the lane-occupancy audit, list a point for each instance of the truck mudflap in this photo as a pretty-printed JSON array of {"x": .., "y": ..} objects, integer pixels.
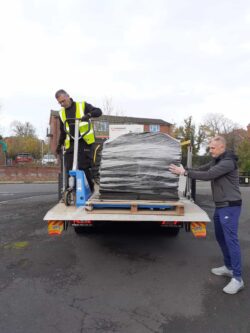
[
  {"x": 57, "y": 227},
  {"x": 199, "y": 229}
]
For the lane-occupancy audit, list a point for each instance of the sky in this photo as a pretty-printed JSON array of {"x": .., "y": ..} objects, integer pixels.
[{"x": 166, "y": 59}]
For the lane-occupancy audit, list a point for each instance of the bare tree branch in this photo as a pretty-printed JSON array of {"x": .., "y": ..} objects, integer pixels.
[
  {"x": 108, "y": 107},
  {"x": 217, "y": 123},
  {"x": 23, "y": 129}
]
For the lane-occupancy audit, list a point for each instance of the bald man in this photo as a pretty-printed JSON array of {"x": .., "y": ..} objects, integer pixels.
[{"x": 223, "y": 173}]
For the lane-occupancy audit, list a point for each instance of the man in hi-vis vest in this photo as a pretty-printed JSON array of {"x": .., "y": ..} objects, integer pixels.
[{"x": 85, "y": 111}]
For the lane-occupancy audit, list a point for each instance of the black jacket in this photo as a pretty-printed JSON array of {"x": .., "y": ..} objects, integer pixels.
[{"x": 224, "y": 176}]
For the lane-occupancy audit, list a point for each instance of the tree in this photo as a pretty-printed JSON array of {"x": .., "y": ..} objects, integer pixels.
[
  {"x": 1, "y": 129},
  {"x": 243, "y": 152},
  {"x": 23, "y": 129},
  {"x": 217, "y": 124},
  {"x": 189, "y": 132},
  {"x": 25, "y": 144},
  {"x": 25, "y": 140},
  {"x": 108, "y": 107}
]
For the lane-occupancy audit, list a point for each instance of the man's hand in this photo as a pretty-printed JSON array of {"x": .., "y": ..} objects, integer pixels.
[
  {"x": 176, "y": 170},
  {"x": 58, "y": 150},
  {"x": 86, "y": 117}
]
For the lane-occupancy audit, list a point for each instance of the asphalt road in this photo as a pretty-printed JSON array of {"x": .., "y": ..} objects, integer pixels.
[{"x": 123, "y": 279}]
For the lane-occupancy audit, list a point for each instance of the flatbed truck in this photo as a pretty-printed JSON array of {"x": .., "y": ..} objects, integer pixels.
[
  {"x": 89, "y": 210},
  {"x": 172, "y": 215}
]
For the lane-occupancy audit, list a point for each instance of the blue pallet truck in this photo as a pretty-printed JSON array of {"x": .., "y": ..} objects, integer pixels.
[{"x": 77, "y": 192}]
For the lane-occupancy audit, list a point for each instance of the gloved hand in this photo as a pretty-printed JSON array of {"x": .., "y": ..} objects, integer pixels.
[
  {"x": 86, "y": 117},
  {"x": 58, "y": 149}
]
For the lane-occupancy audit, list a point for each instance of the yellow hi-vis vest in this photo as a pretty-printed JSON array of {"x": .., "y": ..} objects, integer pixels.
[{"x": 89, "y": 138}]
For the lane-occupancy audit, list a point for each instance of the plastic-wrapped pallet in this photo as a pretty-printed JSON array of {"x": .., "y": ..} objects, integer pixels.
[{"x": 135, "y": 166}]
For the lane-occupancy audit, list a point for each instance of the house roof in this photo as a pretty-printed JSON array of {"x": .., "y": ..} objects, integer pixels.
[
  {"x": 133, "y": 120},
  {"x": 124, "y": 120}
]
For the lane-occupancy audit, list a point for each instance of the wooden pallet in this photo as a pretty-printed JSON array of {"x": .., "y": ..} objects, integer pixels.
[{"x": 140, "y": 207}]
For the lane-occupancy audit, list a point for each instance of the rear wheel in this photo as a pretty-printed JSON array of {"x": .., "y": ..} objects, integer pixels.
[
  {"x": 60, "y": 186},
  {"x": 83, "y": 230},
  {"x": 188, "y": 226},
  {"x": 173, "y": 231}
]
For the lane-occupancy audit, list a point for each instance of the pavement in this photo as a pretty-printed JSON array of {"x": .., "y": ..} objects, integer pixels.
[{"x": 123, "y": 278}]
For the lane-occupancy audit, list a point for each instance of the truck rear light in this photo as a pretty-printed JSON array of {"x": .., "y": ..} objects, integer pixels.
[
  {"x": 79, "y": 222},
  {"x": 171, "y": 224}
]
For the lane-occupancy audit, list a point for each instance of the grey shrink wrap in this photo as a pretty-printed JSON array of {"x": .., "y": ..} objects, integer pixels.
[{"x": 135, "y": 166}]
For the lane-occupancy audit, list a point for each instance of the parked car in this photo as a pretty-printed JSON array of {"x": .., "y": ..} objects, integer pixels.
[
  {"x": 49, "y": 159},
  {"x": 24, "y": 158}
]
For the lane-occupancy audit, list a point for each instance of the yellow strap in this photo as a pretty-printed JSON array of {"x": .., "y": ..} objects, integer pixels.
[
  {"x": 80, "y": 108},
  {"x": 187, "y": 142},
  {"x": 95, "y": 152}
]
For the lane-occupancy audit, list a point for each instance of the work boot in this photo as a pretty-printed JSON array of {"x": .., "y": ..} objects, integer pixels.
[
  {"x": 233, "y": 286},
  {"x": 222, "y": 271}
]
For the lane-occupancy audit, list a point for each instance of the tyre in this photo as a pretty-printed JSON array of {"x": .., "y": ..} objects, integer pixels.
[
  {"x": 60, "y": 186},
  {"x": 70, "y": 198},
  {"x": 83, "y": 230},
  {"x": 172, "y": 231}
]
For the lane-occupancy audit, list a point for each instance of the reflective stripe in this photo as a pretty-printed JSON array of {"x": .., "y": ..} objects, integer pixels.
[
  {"x": 80, "y": 108},
  {"x": 63, "y": 117},
  {"x": 89, "y": 138}
]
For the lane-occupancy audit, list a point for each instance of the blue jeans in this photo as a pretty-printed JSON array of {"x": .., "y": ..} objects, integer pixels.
[{"x": 226, "y": 220}]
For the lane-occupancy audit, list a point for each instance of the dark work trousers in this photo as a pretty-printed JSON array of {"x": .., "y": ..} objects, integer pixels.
[
  {"x": 84, "y": 163},
  {"x": 226, "y": 220}
]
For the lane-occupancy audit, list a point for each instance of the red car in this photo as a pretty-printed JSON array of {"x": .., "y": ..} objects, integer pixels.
[{"x": 24, "y": 158}]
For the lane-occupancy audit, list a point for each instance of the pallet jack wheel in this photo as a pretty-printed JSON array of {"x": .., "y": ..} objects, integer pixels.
[
  {"x": 188, "y": 226},
  {"x": 69, "y": 198}
]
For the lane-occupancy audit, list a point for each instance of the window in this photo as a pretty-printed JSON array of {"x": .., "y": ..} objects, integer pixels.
[
  {"x": 101, "y": 126},
  {"x": 154, "y": 128}
]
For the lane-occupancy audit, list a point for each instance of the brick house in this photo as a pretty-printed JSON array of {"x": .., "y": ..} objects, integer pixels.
[
  {"x": 101, "y": 126},
  {"x": 3, "y": 152},
  {"x": 2, "y": 159}
]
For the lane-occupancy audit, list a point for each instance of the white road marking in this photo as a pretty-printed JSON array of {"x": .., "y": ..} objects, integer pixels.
[
  {"x": 4, "y": 193},
  {"x": 24, "y": 198}
]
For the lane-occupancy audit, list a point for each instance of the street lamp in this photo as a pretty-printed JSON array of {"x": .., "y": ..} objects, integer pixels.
[
  {"x": 49, "y": 135},
  {"x": 42, "y": 142}
]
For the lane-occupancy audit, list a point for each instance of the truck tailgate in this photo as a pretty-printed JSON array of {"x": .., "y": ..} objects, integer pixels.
[{"x": 192, "y": 213}]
